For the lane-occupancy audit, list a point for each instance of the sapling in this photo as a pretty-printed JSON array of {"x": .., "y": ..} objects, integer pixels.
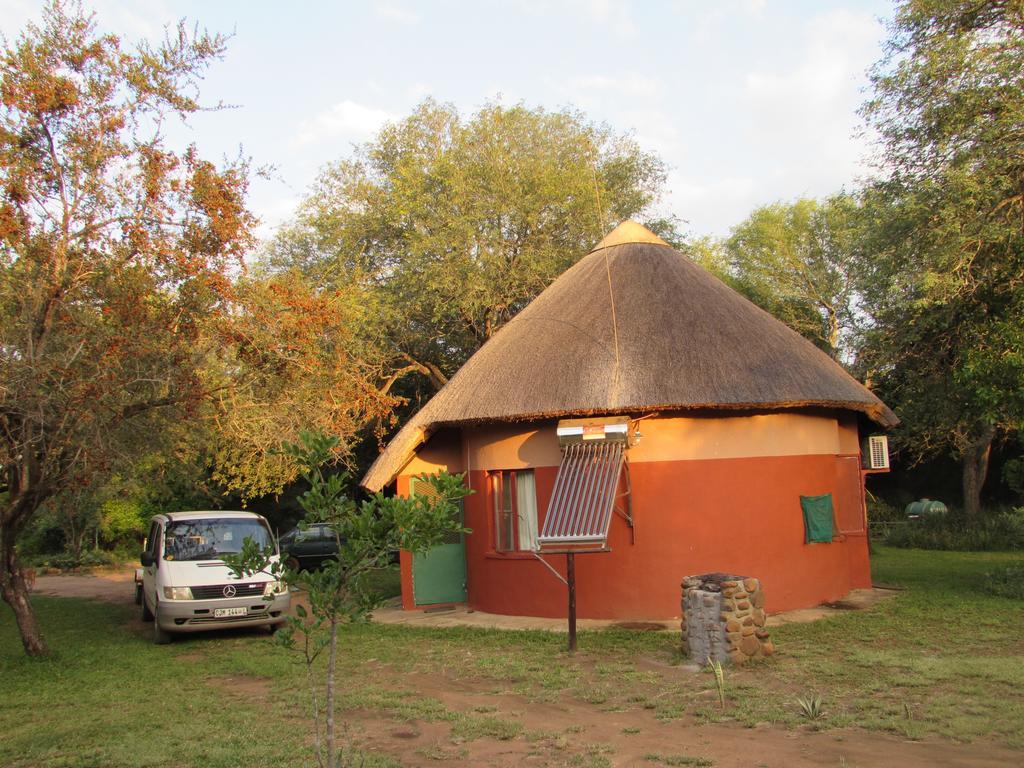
[{"x": 366, "y": 534}]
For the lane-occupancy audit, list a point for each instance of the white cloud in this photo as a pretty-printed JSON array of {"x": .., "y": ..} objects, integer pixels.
[
  {"x": 804, "y": 117},
  {"x": 615, "y": 15},
  {"x": 346, "y": 121},
  {"x": 14, "y": 14},
  {"x": 419, "y": 91},
  {"x": 712, "y": 203},
  {"x": 397, "y": 14},
  {"x": 133, "y": 23},
  {"x": 145, "y": 21},
  {"x": 626, "y": 84},
  {"x": 274, "y": 209},
  {"x": 704, "y": 19}
]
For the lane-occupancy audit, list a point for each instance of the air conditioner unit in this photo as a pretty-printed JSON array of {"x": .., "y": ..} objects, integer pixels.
[{"x": 875, "y": 452}]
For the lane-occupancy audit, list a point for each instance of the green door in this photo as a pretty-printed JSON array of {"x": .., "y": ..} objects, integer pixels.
[{"x": 439, "y": 576}]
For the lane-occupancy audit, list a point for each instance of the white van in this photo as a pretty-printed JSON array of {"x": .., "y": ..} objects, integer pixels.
[{"x": 186, "y": 587}]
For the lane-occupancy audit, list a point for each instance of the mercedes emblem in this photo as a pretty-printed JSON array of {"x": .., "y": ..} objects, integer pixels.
[{"x": 229, "y": 590}]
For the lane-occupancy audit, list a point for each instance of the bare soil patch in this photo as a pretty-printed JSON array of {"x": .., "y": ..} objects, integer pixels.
[
  {"x": 564, "y": 731},
  {"x": 113, "y": 586},
  {"x": 244, "y": 686}
]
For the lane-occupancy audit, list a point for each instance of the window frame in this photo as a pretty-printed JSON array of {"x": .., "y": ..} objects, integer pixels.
[
  {"x": 496, "y": 484},
  {"x": 156, "y": 530}
]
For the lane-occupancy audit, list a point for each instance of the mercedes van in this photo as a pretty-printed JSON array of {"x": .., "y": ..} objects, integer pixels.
[{"x": 186, "y": 587}]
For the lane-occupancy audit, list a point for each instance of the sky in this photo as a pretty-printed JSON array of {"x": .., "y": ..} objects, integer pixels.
[{"x": 747, "y": 101}]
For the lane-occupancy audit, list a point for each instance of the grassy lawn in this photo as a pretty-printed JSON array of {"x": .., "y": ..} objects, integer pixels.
[{"x": 942, "y": 659}]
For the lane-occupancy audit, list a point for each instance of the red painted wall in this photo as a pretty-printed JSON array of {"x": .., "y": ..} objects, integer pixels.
[{"x": 738, "y": 515}]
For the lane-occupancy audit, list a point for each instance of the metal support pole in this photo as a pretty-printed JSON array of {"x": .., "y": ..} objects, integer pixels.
[{"x": 570, "y": 580}]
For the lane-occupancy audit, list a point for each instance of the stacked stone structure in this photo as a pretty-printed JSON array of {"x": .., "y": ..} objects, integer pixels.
[{"x": 724, "y": 619}]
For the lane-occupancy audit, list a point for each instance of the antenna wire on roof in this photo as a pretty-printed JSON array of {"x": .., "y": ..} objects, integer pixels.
[{"x": 608, "y": 271}]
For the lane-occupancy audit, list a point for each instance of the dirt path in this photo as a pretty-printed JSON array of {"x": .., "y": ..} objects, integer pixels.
[
  {"x": 569, "y": 732},
  {"x": 113, "y": 586}
]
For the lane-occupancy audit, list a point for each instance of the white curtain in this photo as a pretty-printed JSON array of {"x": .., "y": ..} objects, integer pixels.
[{"x": 526, "y": 504}]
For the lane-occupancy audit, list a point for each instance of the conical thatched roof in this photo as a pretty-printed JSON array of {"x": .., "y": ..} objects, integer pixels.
[{"x": 685, "y": 341}]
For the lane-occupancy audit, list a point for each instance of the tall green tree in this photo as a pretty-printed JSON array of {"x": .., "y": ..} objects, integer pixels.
[
  {"x": 454, "y": 224},
  {"x": 794, "y": 260},
  {"x": 944, "y": 276}
]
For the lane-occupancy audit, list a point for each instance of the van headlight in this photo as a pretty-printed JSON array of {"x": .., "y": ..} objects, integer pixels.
[
  {"x": 177, "y": 593},
  {"x": 274, "y": 588}
]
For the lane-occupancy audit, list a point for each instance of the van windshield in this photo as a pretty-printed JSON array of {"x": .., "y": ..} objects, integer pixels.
[{"x": 211, "y": 537}]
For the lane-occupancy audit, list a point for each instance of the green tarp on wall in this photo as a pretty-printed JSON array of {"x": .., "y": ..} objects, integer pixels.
[{"x": 817, "y": 518}]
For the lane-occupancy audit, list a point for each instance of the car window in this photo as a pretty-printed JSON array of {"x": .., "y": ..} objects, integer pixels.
[
  {"x": 209, "y": 538},
  {"x": 153, "y": 544}
]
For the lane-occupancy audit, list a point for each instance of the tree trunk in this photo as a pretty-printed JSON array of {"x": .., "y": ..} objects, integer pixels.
[
  {"x": 332, "y": 657},
  {"x": 14, "y": 591},
  {"x": 833, "y": 332},
  {"x": 975, "y": 468}
]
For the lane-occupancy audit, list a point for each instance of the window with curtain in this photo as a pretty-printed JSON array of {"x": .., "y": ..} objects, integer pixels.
[{"x": 514, "y": 500}]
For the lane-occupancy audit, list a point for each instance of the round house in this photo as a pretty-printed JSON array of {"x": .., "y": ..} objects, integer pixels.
[{"x": 642, "y": 412}]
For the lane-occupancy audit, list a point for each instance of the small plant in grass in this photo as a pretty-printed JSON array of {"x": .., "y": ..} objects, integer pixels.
[
  {"x": 716, "y": 669},
  {"x": 590, "y": 761},
  {"x": 701, "y": 762},
  {"x": 810, "y": 707},
  {"x": 471, "y": 727},
  {"x": 342, "y": 591},
  {"x": 631, "y": 731},
  {"x": 439, "y": 752}
]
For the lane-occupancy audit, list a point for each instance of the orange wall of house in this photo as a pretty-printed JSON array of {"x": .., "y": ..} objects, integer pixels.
[
  {"x": 442, "y": 452},
  {"x": 725, "y": 512}
]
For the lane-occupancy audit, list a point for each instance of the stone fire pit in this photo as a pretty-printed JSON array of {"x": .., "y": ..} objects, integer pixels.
[{"x": 724, "y": 619}]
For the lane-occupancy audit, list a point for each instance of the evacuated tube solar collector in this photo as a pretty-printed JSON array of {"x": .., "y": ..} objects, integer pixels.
[{"x": 583, "y": 499}]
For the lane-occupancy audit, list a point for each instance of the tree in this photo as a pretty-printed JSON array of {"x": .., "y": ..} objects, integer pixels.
[
  {"x": 944, "y": 282},
  {"x": 293, "y": 358},
  {"x": 794, "y": 259},
  {"x": 453, "y": 225},
  {"x": 114, "y": 254},
  {"x": 123, "y": 331},
  {"x": 366, "y": 534}
]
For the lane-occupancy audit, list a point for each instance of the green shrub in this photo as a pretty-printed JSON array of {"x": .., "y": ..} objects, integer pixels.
[
  {"x": 881, "y": 511},
  {"x": 90, "y": 558},
  {"x": 121, "y": 520},
  {"x": 1013, "y": 475},
  {"x": 1005, "y": 582},
  {"x": 997, "y": 530}
]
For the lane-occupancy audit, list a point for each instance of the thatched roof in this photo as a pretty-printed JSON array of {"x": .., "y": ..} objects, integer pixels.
[{"x": 685, "y": 341}]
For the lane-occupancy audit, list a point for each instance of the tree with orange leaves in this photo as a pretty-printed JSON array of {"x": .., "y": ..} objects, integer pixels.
[
  {"x": 114, "y": 258},
  {"x": 121, "y": 318}
]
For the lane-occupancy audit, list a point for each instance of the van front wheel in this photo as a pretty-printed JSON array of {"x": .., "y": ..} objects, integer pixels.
[{"x": 160, "y": 635}]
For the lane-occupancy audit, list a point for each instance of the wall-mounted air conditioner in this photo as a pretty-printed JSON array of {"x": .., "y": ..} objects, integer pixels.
[{"x": 875, "y": 452}]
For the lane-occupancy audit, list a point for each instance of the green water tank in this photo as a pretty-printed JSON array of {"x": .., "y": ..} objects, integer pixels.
[{"x": 925, "y": 508}]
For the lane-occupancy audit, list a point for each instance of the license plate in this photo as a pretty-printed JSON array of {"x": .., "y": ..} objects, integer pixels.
[{"x": 222, "y": 613}]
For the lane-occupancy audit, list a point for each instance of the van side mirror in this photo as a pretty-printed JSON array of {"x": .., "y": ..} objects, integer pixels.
[{"x": 147, "y": 559}]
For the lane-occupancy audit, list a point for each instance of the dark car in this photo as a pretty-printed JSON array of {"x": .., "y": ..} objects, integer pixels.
[{"x": 307, "y": 550}]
